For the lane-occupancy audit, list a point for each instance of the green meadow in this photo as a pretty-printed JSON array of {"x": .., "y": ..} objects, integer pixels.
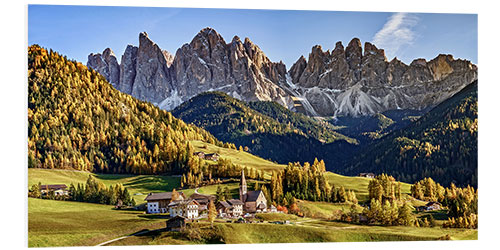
[
  {"x": 319, "y": 231},
  {"x": 67, "y": 223},
  {"x": 138, "y": 185},
  {"x": 238, "y": 157}
]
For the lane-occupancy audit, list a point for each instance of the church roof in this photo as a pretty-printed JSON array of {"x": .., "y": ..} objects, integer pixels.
[{"x": 253, "y": 195}]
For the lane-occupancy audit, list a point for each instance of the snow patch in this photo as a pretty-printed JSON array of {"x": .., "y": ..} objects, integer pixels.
[{"x": 171, "y": 102}]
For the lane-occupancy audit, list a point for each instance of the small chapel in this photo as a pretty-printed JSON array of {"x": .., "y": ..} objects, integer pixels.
[{"x": 254, "y": 201}]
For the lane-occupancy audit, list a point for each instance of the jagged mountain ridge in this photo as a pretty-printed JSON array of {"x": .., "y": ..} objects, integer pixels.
[
  {"x": 355, "y": 81},
  {"x": 207, "y": 63},
  {"x": 344, "y": 82}
]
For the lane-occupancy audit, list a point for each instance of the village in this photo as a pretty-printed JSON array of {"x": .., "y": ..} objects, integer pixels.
[{"x": 182, "y": 209}]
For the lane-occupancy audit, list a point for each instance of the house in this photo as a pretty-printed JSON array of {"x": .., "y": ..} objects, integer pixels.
[
  {"x": 367, "y": 175},
  {"x": 203, "y": 200},
  {"x": 213, "y": 157},
  {"x": 431, "y": 206},
  {"x": 273, "y": 209},
  {"x": 58, "y": 189},
  {"x": 176, "y": 223},
  {"x": 158, "y": 202},
  {"x": 186, "y": 208},
  {"x": 254, "y": 201},
  {"x": 200, "y": 154},
  {"x": 230, "y": 208}
]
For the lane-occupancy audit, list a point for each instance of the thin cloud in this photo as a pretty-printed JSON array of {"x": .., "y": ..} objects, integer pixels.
[{"x": 396, "y": 33}]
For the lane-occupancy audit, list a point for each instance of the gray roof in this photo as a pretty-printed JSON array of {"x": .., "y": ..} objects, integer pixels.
[
  {"x": 224, "y": 204},
  {"x": 202, "y": 197},
  {"x": 253, "y": 195},
  {"x": 182, "y": 203},
  {"x": 53, "y": 187},
  {"x": 161, "y": 196},
  {"x": 235, "y": 202}
]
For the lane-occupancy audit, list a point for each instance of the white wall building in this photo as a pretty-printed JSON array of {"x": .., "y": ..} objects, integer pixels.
[{"x": 189, "y": 209}]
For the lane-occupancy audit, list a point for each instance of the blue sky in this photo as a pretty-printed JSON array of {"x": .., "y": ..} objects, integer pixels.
[{"x": 77, "y": 31}]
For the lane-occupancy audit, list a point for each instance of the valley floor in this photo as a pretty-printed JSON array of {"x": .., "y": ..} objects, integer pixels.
[{"x": 67, "y": 223}]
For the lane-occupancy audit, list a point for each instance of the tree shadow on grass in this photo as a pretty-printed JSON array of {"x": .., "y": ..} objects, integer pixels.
[
  {"x": 154, "y": 216},
  {"x": 154, "y": 183}
]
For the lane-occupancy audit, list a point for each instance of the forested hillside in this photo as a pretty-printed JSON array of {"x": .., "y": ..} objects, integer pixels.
[
  {"x": 281, "y": 136},
  {"x": 77, "y": 120},
  {"x": 321, "y": 131},
  {"x": 442, "y": 144}
]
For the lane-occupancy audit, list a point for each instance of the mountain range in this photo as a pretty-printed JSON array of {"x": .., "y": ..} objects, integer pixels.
[
  {"x": 351, "y": 81},
  {"x": 77, "y": 120}
]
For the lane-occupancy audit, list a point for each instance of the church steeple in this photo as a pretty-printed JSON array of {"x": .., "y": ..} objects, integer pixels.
[{"x": 243, "y": 187}]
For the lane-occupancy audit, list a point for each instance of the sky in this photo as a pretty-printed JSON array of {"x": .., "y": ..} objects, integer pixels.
[{"x": 77, "y": 31}]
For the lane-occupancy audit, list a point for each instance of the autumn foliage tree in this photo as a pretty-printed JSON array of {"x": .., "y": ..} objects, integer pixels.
[{"x": 77, "y": 120}]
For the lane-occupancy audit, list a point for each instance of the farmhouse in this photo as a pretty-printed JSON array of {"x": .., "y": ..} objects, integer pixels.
[
  {"x": 254, "y": 201},
  {"x": 203, "y": 200},
  {"x": 186, "y": 208},
  {"x": 200, "y": 154},
  {"x": 431, "y": 206},
  {"x": 230, "y": 208},
  {"x": 176, "y": 223},
  {"x": 367, "y": 175},
  {"x": 58, "y": 189},
  {"x": 273, "y": 209},
  {"x": 158, "y": 202},
  {"x": 213, "y": 157}
]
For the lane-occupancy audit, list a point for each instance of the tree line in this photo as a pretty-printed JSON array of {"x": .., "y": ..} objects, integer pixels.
[
  {"x": 461, "y": 202},
  {"x": 92, "y": 191}
]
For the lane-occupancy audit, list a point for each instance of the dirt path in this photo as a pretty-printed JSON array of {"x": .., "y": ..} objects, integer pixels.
[{"x": 124, "y": 237}]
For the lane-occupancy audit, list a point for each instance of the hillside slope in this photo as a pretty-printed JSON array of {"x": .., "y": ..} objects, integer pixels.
[
  {"x": 77, "y": 120},
  {"x": 442, "y": 144},
  {"x": 286, "y": 138}
]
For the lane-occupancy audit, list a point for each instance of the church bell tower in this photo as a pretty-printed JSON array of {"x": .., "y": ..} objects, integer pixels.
[{"x": 243, "y": 187}]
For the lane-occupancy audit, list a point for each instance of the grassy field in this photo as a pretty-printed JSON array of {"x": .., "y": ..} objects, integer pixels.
[
  {"x": 233, "y": 233},
  {"x": 66, "y": 223},
  {"x": 358, "y": 184},
  {"x": 323, "y": 210},
  {"x": 138, "y": 185},
  {"x": 238, "y": 157}
]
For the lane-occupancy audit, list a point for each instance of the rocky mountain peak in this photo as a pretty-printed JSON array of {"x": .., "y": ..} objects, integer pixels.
[
  {"x": 419, "y": 62},
  {"x": 345, "y": 81},
  {"x": 371, "y": 49},
  {"x": 353, "y": 53},
  {"x": 128, "y": 67},
  {"x": 354, "y": 83},
  {"x": 236, "y": 39},
  {"x": 106, "y": 64}
]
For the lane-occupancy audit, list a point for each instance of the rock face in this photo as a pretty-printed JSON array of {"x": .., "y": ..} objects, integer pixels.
[
  {"x": 128, "y": 69},
  {"x": 346, "y": 81},
  {"x": 358, "y": 81},
  {"x": 106, "y": 64},
  {"x": 238, "y": 68},
  {"x": 208, "y": 63},
  {"x": 153, "y": 80}
]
